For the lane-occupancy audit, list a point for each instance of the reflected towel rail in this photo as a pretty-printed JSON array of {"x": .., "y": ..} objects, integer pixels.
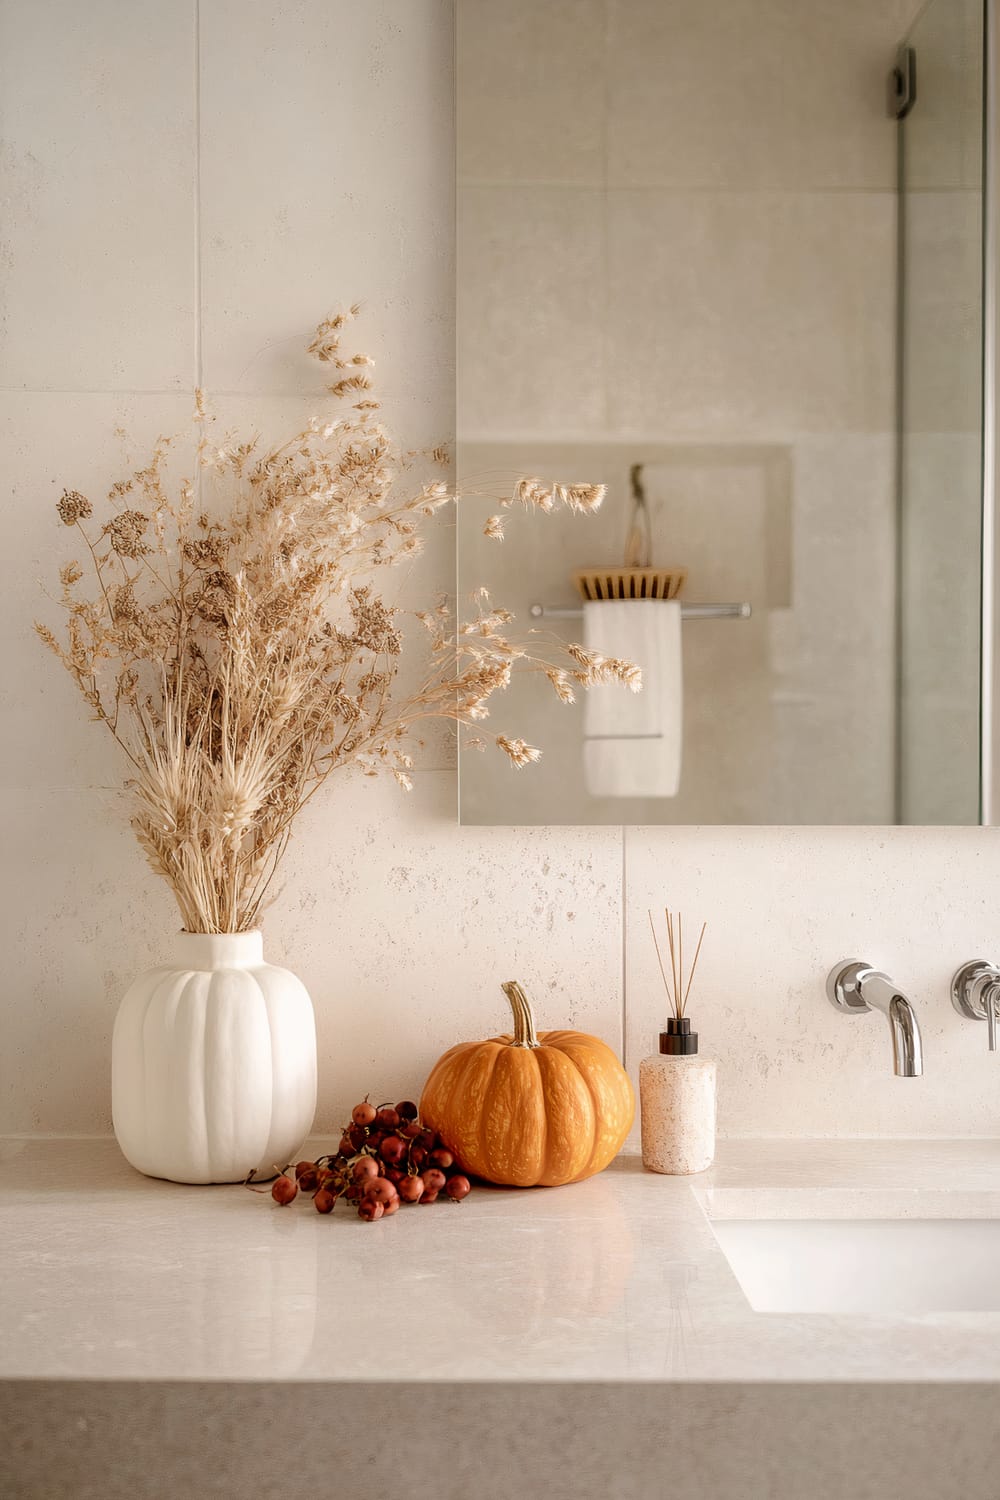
[{"x": 741, "y": 611}]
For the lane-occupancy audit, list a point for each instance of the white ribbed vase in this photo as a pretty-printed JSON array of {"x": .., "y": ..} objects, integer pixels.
[{"x": 213, "y": 1063}]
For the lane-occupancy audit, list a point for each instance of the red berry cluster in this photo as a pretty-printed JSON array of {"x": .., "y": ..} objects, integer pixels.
[{"x": 386, "y": 1157}]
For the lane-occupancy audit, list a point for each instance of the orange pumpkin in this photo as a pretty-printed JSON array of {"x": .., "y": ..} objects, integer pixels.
[{"x": 529, "y": 1110}]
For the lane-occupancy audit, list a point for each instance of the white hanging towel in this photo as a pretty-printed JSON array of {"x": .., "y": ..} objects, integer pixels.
[{"x": 632, "y": 741}]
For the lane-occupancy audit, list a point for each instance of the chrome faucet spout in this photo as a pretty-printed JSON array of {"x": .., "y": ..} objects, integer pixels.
[
  {"x": 907, "y": 1054},
  {"x": 854, "y": 987}
]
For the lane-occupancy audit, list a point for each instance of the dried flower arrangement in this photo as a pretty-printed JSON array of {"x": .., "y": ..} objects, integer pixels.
[{"x": 239, "y": 651}]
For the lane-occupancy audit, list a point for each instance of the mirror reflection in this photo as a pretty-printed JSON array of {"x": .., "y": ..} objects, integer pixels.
[{"x": 704, "y": 262}]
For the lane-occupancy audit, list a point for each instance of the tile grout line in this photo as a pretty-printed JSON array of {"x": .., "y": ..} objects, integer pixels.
[
  {"x": 198, "y": 351},
  {"x": 677, "y": 189},
  {"x": 624, "y": 927},
  {"x": 606, "y": 237},
  {"x": 180, "y": 389}
]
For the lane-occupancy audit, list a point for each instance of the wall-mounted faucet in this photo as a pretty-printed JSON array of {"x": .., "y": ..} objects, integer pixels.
[
  {"x": 975, "y": 993},
  {"x": 854, "y": 986}
]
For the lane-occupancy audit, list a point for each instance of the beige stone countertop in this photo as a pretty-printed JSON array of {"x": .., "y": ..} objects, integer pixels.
[{"x": 109, "y": 1275}]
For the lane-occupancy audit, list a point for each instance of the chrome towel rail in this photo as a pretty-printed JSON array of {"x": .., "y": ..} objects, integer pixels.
[{"x": 740, "y": 611}]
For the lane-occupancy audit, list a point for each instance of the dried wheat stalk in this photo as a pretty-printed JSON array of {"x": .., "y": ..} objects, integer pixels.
[{"x": 239, "y": 653}]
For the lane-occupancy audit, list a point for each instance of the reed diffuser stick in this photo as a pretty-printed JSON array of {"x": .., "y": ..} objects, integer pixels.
[
  {"x": 673, "y": 958},
  {"x": 674, "y": 984},
  {"x": 693, "y": 967},
  {"x": 659, "y": 955}
]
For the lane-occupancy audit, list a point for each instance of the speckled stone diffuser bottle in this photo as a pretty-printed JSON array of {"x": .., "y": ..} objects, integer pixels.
[{"x": 677, "y": 1103}]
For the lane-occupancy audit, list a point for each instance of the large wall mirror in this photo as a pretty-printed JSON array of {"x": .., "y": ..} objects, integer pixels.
[{"x": 728, "y": 262}]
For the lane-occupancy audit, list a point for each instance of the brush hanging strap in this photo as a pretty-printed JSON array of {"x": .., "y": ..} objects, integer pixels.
[{"x": 639, "y": 538}]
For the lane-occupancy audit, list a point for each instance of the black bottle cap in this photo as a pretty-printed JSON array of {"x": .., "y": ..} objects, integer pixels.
[{"x": 678, "y": 1040}]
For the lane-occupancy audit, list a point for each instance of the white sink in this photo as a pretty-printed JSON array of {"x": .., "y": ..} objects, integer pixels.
[{"x": 887, "y": 1266}]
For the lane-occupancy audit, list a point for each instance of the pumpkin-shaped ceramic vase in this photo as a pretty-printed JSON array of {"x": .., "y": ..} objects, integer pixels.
[{"x": 213, "y": 1063}]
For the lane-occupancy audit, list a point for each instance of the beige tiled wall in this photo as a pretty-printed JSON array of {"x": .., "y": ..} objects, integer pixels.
[
  {"x": 326, "y": 175},
  {"x": 99, "y": 255}
]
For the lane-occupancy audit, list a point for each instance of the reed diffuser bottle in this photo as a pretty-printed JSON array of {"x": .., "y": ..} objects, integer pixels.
[{"x": 676, "y": 1085}]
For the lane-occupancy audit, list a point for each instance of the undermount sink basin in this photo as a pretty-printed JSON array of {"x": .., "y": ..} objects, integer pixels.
[{"x": 868, "y": 1265}]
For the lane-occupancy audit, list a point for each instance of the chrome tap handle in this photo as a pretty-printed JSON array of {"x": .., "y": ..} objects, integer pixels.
[
  {"x": 992, "y": 1001},
  {"x": 975, "y": 994}
]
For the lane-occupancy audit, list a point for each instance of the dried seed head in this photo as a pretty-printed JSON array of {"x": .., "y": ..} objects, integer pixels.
[
  {"x": 561, "y": 684},
  {"x": 125, "y": 533},
  {"x": 73, "y": 507},
  {"x": 518, "y": 751}
]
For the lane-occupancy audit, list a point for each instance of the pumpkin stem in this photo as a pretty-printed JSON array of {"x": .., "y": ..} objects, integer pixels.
[{"x": 524, "y": 1020}]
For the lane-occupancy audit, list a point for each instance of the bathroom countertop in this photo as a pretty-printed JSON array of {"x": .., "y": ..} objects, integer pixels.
[{"x": 109, "y": 1275}]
